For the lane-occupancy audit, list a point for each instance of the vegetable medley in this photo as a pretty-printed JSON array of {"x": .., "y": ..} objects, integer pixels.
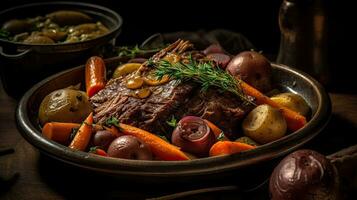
[
  {"x": 67, "y": 115},
  {"x": 62, "y": 26}
]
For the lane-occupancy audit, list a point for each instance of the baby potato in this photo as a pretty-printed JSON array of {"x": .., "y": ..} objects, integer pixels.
[
  {"x": 64, "y": 105},
  {"x": 292, "y": 101},
  {"x": 38, "y": 39},
  {"x": 69, "y": 17},
  {"x": 264, "y": 124}
]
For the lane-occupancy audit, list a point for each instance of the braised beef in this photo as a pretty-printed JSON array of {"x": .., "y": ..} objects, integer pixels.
[{"x": 174, "y": 98}]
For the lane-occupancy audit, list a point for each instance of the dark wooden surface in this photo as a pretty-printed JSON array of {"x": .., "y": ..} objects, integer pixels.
[{"x": 27, "y": 174}]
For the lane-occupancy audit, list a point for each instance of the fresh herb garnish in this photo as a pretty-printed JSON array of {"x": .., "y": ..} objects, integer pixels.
[
  {"x": 163, "y": 137},
  {"x": 112, "y": 121},
  {"x": 150, "y": 62},
  {"x": 93, "y": 149},
  {"x": 4, "y": 34},
  {"x": 204, "y": 73},
  {"x": 172, "y": 122},
  {"x": 221, "y": 136},
  {"x": 132, "y": 52}
]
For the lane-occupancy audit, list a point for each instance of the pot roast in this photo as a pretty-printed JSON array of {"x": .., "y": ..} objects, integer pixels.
[{"x": 172, "y": 99}]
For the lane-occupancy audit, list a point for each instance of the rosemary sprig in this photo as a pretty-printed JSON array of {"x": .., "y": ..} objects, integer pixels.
[{"x": 204, "y": 73}]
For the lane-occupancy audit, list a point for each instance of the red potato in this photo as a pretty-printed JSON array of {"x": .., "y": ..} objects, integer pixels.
[
  {"x": 103, "y": 138},
  {"x": 253, "y": 68},
  {"x": 129, "y": 147}
]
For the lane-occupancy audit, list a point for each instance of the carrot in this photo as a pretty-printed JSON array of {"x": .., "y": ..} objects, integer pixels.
[
  {"x": 113, "y": 130},
  {"x": 228, "y": 147},
  {"x": 216, "y": 131},
  {"x": 101, "y": 152},
  {"x": 58, "y": 131},
  {"x": 84, "y": 133},
  {"x": 159, "y": 147},
  {"x": 294, "y": 120},
  {"x": 95, "y": 75},
  {"x": 98, "y": 151}
]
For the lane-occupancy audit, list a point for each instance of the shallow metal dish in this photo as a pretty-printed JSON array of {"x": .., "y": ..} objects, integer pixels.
[{"x": 287, "y": 78}]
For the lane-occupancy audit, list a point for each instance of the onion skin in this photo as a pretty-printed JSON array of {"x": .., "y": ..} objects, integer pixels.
[
  {"x": 304, "y": 175},
  {"x": 199, "y": 145}
]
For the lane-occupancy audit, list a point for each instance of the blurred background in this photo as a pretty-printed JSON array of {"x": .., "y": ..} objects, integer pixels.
[{"x": 257, "y": 20}]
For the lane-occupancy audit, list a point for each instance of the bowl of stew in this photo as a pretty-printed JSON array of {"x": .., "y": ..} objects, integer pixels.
[
  {"x": 38, "y": 39},
  {"x": 153, "y": 106}
]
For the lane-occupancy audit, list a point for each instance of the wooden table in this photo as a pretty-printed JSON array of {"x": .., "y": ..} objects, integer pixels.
[{"x": 27, "y": 174}]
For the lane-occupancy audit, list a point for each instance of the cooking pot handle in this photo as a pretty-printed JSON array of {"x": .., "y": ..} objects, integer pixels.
[{"x": 14, "y": 56}]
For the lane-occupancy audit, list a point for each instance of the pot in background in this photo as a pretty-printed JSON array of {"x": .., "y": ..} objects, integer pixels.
[{"x": 22, "y": 65}]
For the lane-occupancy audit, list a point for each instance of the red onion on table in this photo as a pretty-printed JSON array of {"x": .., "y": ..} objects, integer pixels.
[
  {"x": 304, "y": 175},
  {"x": 193, "y": 135}
]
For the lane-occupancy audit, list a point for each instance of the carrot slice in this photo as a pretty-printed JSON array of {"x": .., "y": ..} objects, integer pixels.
[
  {"x": 81, "y": 140},
  {"x": 59, "y": 131},
  {"x": 294, "y": 120},
  {"x": 216, "y": 131},
  {"x": 228, "y": 147},
  {"x": 95, "y": 73},
  {"x": 113, "y": 130},
  {"x": 159, "y": 147}
]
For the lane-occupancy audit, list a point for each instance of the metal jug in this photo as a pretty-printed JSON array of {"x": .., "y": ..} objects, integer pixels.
[{"x": 303, "y": 45}]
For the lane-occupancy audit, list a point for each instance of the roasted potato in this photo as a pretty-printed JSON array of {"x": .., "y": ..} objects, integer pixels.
[
  {"x": 69, "y": 17},
  {"x": 16, "y": 26},
  {"x": 253, "y": 68},
  {"x": 292, "y": 101},
  {"x": 38, "y": 39},
  {"x": 264, "y": 124},
  {"x": 64, "y": 105}
]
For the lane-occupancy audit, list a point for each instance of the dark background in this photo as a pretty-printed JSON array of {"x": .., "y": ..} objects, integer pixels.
[{"x": 257, "y": 20}]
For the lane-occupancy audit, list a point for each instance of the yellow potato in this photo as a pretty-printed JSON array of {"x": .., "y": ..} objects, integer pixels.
[
  {"x": 64, "y": 105},
  {"x": 292, "y": 101},
  {"x": 264, "y": 124}
]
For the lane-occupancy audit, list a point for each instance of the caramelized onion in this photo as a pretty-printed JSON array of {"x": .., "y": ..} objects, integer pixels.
[
  {"x": 193, "y": 135},
  {"x": 143, "y": 93},
  {"x": 155, "y": 82},
  {"x": 134, "y": 83}
]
